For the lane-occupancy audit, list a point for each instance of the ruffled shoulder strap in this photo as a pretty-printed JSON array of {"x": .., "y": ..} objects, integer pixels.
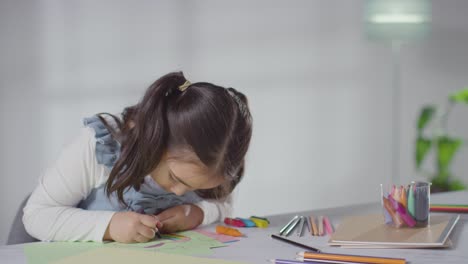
[{"x": 107, "y": 148}]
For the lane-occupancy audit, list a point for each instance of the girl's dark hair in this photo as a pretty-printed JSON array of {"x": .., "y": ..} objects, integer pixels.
[{"x": 212, "y": 121}]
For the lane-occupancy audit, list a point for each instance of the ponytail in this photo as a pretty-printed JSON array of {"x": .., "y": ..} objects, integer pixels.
[{"x": 143, "y": 136}]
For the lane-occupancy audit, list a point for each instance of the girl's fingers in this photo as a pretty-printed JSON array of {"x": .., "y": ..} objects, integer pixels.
[
  {"x": 141, "y": 239},
  {"x": 146, "y": 232},
  {"x": 165, "y": 215},
  {"x": 148, "y": 220},
  {"x": 159, "y": 224},
  {"x": 171, "y": 225}
]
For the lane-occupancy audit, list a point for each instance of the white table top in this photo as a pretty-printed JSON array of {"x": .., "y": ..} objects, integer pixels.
[{"x": 258, "y": 246}]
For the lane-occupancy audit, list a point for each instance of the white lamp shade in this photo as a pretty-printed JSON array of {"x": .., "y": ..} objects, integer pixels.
[{"x": 397, "y": 19}]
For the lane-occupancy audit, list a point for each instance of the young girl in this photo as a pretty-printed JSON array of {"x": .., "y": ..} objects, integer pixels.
[{"x": 168, "y": 164}]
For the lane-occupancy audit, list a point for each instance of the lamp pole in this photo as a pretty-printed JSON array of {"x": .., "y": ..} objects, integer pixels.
[
  {"x": 396, "y": 85},
  {"x": 395, "y": 21}
]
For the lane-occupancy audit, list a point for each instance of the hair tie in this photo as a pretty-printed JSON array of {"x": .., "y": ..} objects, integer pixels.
[{"x": 184, "y": 86}]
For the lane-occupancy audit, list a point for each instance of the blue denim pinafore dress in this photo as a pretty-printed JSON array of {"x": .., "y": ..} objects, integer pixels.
[{"x": 150, "y": 199}]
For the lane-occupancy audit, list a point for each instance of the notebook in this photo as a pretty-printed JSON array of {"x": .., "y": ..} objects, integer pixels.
[{"x": 369, "y": 231}]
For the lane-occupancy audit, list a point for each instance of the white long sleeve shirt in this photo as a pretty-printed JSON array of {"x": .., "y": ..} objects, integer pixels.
[{"x": 51, "y": 214}]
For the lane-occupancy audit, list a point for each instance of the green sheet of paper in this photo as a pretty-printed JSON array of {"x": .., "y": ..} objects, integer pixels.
[
  {"x": 42, "y": 253},
  {"x": 183, "y": 243},
  {"x": 125, "y": 256}
]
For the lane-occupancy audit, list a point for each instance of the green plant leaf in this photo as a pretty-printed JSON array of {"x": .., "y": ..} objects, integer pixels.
[
  {"x": 456, "y": 185},
  {"x": 440, "y": 182},
  {"x": 460, "y": 96},
  {"x": 425, "y": 116},
  {"x": 446, "y": 149},
  {"x": 423, "y": 145}
]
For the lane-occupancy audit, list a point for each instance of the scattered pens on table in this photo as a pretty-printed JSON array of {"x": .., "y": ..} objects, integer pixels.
[
  {"x": 449, "y": 208},
  {"x": 292, "y": 226},
  {"x": 301, "y": 226},
  {"x": 324, "y": 257},
  {"x": 309, "y": 228},
  {"x": 283, "y": 230},
  {"x": 253, "y": 221},
  {"x": 261, "y": 222},
  {"x": 328, "y": 226},
  {"x": 234, "y": 222},
  {"x": 320, "y": 226},
  {"x": 291, "y": 242},
  {"x": 314, "y": 225},
  {"x": 317, "y": 226},
  {"x": 311, "y": 223},
  {"x": 247, "y": 222},
  {"x": 285, "y": 261},
  {"x": 228, "y": 231}
]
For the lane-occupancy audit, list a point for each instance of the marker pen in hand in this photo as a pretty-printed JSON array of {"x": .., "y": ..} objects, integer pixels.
[{"x": 158, "y": 226}]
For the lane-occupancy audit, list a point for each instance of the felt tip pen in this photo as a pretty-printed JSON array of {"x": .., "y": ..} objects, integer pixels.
[
  {"x": 301, "y": 226},
  {"x": 259, "y": 222},
  {"x": 292, "y": 226},
  {"x": 261, "y": 218},
  {"x": 294, "y": 243},
  {"x": 158, "y": 234},
  {"x": 247, "y": 222},
  {"x": 328, "y": 225},
  {"x": 228, "y": 231},
  {"x": 314, "y": 256},
  {"x": 287, "y": 261},
  {"x": 234, "y": 222},
  {"x": 158, "y": 225},
  {"x": 288, "y": 225}
]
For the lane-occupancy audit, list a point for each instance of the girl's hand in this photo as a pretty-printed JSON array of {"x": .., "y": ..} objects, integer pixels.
[
  {"x": 131, "y": 227},
  {"x": 180, "y": 218}
]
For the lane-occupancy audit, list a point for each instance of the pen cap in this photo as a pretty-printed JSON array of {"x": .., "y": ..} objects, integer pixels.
[
  {"x": 247, "y": 222},
  {"x": 259, "y": 222},
  {"x": 234, "y": 222}
]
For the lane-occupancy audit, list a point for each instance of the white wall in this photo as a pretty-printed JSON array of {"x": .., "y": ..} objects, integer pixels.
[{"x": 319, "y": 90}]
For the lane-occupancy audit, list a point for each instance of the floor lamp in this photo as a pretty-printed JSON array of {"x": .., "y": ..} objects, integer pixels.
[{"x": 395, "y": 22}]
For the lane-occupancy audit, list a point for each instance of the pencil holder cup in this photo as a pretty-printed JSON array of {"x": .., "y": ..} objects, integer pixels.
[{"x": 406, "y": 206}]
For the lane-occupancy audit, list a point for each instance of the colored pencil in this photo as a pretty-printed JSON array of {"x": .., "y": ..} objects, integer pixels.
[
  {"x": 450, "y": 208},
  {"x": 451, "y": 205},
  {"x": 320, "y": 225},
  {"x": 309, "y": 228},
  {"x": 403, "y": 196},
  {"x": 322, "y": 261},
  {"x": 280, "y": 238},
  {"x": 314, "y": 256},
  {"x": 286, "y": 261},
  {"x": 310, "y": 225},
  {"x": 328, "y": 225},
  {"x": 314, "y": 226}
]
